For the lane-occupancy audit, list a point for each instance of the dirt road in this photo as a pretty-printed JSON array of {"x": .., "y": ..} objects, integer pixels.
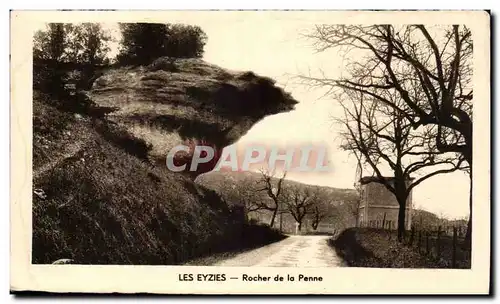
[{"x": 294, "y": 251}]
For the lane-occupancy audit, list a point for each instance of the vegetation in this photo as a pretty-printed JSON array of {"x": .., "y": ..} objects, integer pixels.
[
  {"x": 68, "y": 53},
  {"x": 85, "y": 43},
  {"x": 427, "y": 220},
  {"x": 100, "y": 197},
  {"x": 144, "y": 42},
  {"x": 104, "y": 203},
  {"x": 369, "y": 247},
  {"x": 299, "y": 203},
  {"x": 198, "y": 103},
  {"x": 382, "y": 137}
]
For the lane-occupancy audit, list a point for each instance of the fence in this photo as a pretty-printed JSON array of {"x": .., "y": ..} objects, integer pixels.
[{"x": 445, "y": 243}]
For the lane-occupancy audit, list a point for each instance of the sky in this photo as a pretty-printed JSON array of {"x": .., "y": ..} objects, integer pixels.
[{"x": 278, "y": 49}]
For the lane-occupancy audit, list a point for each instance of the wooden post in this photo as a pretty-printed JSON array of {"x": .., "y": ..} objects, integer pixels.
[
  {"x": 454, "y": 252},
  {"x": 438, "y": 243}
]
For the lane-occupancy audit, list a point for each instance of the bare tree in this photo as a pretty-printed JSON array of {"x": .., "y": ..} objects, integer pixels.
[
  {"x": 430, "y": 69},
  {"x": 273, "y": 187},
  {"x": 385, "y": 139},
  {"x": 246, "y": 193}
]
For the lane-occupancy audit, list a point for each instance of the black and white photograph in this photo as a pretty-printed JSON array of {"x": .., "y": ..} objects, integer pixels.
[{"x": 256, "y": 139}]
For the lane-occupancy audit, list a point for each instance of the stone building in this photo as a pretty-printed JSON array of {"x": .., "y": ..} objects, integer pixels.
[{"x": 377, "y": 201}]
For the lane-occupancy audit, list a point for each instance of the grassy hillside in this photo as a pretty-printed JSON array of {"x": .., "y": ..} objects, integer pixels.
[{"x": 100, "y": 199}]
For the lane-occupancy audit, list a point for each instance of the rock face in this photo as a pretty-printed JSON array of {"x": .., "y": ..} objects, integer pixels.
[{"x": 187, "y": 101}]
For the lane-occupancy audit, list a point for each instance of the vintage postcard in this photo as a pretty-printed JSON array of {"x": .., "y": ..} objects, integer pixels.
[{"x": 250, "y": 152}]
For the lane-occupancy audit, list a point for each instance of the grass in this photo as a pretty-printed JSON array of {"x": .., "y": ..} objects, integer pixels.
[
  {"x": 253, "y": 236},
  {"x": 369, "y": 247}
]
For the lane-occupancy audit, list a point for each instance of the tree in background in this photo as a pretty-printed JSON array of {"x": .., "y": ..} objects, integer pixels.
[
  {"x": 384, "y": 138},
  {"x": 185, "y": 41},
  {"x": 48, "y": 51},
  {"x": 143, "y": 42}
]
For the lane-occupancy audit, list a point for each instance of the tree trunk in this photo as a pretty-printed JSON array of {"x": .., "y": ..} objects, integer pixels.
[{"x": 300, "y": 226}]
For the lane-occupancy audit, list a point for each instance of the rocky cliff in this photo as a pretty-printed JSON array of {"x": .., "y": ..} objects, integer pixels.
[
  {"x": 100, "y": 192},
  {"x": 181, "y": 101}
]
